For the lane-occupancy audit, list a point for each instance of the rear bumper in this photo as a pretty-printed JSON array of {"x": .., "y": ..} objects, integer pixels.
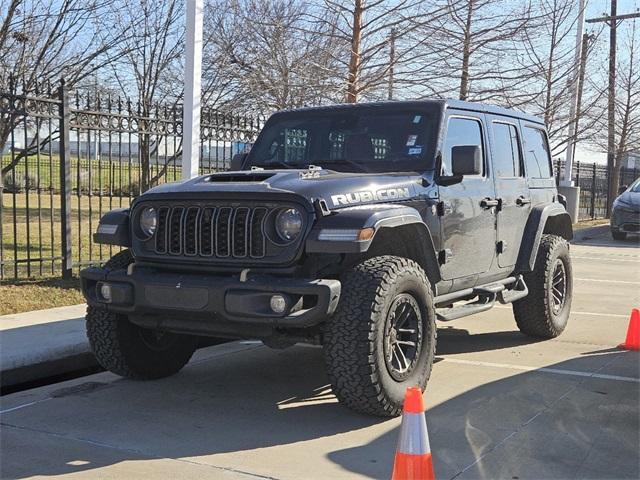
[{"x": 211, "y": 299}]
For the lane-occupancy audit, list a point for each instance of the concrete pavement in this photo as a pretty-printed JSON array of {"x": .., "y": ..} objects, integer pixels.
[{"x": 500, "y": 405}]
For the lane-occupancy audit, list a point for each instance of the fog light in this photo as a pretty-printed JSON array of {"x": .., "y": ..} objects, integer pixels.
[
  {"x": 278, "y": 303},
  {"x": 105, "y": 292}
]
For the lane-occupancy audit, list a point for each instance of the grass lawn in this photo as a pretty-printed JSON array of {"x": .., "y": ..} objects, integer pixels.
[
  {"x": 34, "y": 239},
  {"x": 590, "y": 223},
  {"x": 27, "y": 295}
]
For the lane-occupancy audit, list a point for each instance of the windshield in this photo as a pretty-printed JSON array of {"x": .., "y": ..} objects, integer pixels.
[
  {"x": 635, "y": 188},
  {"x": 359, "y": 140}
]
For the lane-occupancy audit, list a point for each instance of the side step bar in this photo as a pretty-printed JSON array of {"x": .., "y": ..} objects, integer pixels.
[{"x": 487, "y": 296}]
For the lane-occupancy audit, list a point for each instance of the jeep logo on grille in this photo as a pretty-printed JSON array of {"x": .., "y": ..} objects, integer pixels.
[{"x": 370, "y": 196}]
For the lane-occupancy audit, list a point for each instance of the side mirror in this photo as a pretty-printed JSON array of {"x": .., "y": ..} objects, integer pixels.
[
  {"x": 466, "y": 160},
  {"x": 237, "y": 161}
]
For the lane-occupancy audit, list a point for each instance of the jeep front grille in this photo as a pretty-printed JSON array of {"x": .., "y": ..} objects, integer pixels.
[{"x": 211, "y": 231}]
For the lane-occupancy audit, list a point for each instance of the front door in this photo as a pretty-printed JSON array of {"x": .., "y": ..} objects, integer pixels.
[
  {"x": 511, "y": 187},
  {"x": 468, "y": 223}
]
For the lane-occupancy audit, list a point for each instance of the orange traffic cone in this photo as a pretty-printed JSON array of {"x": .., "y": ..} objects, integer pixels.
[
  {"x": 633, "y": 332},
  {"x": 413, "y": 455}
]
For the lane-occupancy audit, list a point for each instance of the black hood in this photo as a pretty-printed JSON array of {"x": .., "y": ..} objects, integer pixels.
[{"x": 337, "y": 189}]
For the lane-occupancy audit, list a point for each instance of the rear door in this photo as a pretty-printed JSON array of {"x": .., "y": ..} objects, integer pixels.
[
  {"x": 468, "y": 225},
  {"x": 511, "y": 187}
]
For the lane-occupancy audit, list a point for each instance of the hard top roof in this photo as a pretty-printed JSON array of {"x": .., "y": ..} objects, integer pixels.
[{"x": 443, "y": 103}]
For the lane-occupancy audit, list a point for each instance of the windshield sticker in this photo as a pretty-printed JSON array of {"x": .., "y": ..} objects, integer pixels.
[
  {"x": 415, "y": 151},
  {"x": 411, "y": 140},
  {"x": 417, "y": 119}
]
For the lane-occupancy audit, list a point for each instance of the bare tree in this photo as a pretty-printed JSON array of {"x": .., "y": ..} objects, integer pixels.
[
  {"x": 261, "y": 56},
  {"x": 42, "y": 41},
  {"x": 627, "y": 102},
  {"x": 547, "y": 63},
  {"x": 366, "y": 32},
  {"x": 473, "y": 47},
  {"x": 146, "y": 65}
]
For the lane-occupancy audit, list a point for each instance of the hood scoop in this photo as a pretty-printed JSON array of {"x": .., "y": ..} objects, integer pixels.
[{"x": 239, "y": 177}]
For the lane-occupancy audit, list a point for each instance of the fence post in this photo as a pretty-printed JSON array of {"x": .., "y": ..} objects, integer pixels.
[
  {"x": 65, "y": 182},
  {"x": 593, "y": 192}
]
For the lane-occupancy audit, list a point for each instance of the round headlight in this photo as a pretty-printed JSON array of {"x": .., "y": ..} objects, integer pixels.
[
  {"x": 289, "y": 224},
  {"x": 148, "y": 221}
]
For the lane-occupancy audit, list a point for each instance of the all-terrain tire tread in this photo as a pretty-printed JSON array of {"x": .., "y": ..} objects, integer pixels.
[
  {"x": 110, "y": 339},
  {"x": 102, "y": 328},
  {"x": 532, "y": 313},
  {"x": 351, "y": 334}
]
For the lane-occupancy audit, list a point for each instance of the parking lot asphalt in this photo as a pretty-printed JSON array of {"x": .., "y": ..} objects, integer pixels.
[{"x": 500, "y": 405}]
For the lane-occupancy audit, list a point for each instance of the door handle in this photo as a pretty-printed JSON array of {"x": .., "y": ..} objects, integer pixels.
[
  {"x": 489, "y": 202},
  {"x": 521, "y": 201}
]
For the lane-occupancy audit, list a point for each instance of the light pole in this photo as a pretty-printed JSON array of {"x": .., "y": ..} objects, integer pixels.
[
  {"x": 566, "y": 187},
  {"x": 192, "y": 78},
  {"x": 574, "y": 107}
]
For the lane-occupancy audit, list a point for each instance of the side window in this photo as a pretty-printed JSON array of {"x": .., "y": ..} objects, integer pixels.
[
  {"x": 461, "y": 131},
  {"x": 506, "y": 157},
  {"x": 536, "y": 153}
]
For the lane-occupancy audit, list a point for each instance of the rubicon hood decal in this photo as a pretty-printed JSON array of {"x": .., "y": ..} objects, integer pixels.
[{"x": 364, "y": 196}]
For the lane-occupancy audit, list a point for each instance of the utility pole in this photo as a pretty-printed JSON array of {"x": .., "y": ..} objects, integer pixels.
[
  {"x": 567, "y": 188},
  {"x": 612, "y": 20},
  {"x": 192, "y": 79},
  {"x": 392, "y": 60}
]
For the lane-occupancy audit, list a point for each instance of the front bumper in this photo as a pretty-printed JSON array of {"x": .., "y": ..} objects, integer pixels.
[
  {"x": 625, "y": 220},
  {"x": 211, "y": 299}
]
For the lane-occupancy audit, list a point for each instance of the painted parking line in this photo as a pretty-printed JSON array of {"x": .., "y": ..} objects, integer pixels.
[
  {"x": 629, "y": 258},
  {"x": 557, "y": 371},
  {"x": 596, "y": 314},
  {"x": 24, "y": 405},
  {"x": 601, "y": 280}
]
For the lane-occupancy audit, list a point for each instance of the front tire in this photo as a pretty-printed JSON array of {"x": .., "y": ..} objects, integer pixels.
[
  {"x": 544, "y": 313},
  {"x": 618, "y": 235},
  {"x": 382, "y": 337},
  {"x": 132, "y": 351}
]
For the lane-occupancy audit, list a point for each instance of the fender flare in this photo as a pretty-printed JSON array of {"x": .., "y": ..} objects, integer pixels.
[
  {"x": 113, "y": 228},
  {"x": 552, "y": 218},
  {"x": 337, "y": 233}
]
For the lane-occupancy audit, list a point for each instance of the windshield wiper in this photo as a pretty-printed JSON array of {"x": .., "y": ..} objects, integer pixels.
[
  {"x": 281, "y": 164},
  {"x": 344, "y": 161}
]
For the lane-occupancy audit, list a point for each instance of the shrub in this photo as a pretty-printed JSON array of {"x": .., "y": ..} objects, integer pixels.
[{"x": 16, "y": 182}]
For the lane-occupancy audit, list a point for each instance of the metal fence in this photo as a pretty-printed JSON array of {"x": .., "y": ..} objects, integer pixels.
[
  {"x": 71, "y": 158},
  {"x": 592, "y": 179}
]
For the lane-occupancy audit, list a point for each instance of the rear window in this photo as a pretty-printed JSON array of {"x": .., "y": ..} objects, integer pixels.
[{"x": 536, "y": 153}]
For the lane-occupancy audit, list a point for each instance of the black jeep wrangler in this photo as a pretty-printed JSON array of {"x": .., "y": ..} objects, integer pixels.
[{"x": 353, "y": 227}]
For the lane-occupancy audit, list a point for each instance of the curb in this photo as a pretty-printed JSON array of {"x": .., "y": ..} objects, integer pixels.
[
  {"x": 590, "y": 232},
  {"x": 29, "y": 376}
]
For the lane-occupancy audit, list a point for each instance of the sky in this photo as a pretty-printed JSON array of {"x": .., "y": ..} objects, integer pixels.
[{"x": 599, "y": 8}]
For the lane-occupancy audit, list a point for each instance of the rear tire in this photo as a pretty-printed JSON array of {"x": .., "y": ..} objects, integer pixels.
[
  {"x": 544, "y": 313},
  {"x": 386, "y": 306},
  {"x": 618, "y": 235},
  {"x": 132, "y": 351}
]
